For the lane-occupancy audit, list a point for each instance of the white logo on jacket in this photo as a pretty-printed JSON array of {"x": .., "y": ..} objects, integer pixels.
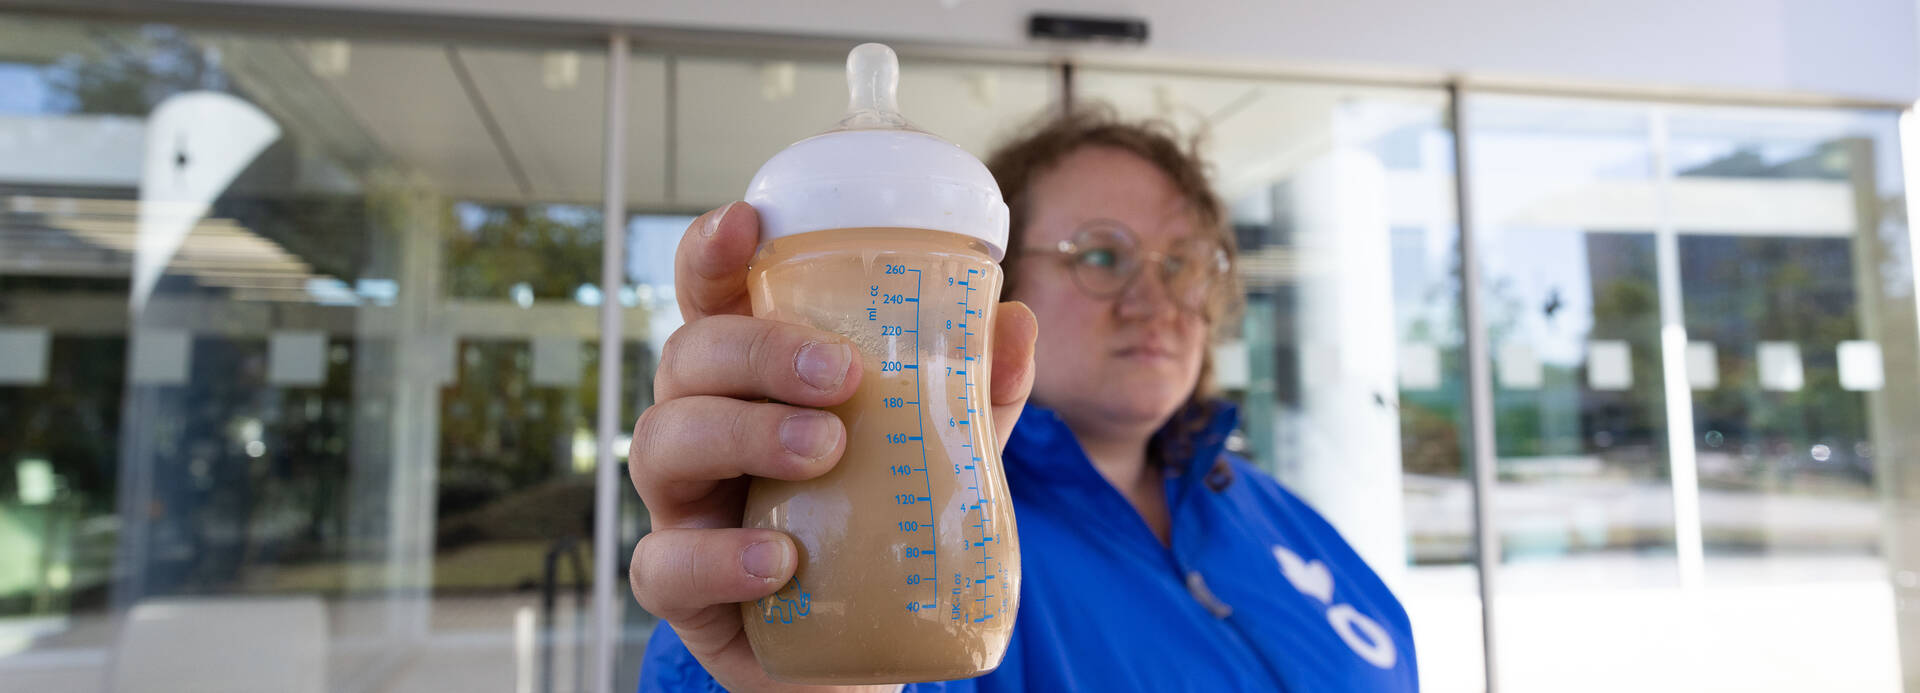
[{"x": 1361, "y": 633}]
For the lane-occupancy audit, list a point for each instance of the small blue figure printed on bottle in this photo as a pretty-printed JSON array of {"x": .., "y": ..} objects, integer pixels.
[{"x": 789, "y": 603}]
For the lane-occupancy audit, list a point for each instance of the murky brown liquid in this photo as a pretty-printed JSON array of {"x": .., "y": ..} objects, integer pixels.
[{"x": 909, "y": 562}]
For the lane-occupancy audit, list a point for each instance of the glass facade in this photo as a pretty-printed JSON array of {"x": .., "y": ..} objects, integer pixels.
[
  {"x": 1694, "y": 313},
  {"x": 299, "y": 350}
]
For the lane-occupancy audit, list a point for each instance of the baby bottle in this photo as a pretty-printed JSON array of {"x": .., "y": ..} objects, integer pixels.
[{"x": 909, "y": 567}]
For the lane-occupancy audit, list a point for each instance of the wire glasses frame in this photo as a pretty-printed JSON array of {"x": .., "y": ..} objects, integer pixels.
[{"x": 1105, "y": 257}]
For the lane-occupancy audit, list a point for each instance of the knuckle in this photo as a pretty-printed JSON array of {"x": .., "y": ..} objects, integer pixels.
[
  {"x": 670, "y": 572},
  {"x": 666, "y": 372},
  {"x": 762, "y": 349},
  {"x": 637, "y": 580},
  {"x": 644, "y": 574},
  {"x": 689, "y": 566},
  {"x": 646, "y": 432},
  {"x": 645, "y": 425},
  {"x": 740, "y": 427},
  {"x": 746, "y": 427}
]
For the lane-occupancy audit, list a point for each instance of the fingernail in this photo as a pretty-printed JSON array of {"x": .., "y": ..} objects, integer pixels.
[
  {"x": 713, "y": 222},
  {"x": 810, "y": 435},
  {"x": 766, "y": 560},
  {"x": 823, "y": 366}
]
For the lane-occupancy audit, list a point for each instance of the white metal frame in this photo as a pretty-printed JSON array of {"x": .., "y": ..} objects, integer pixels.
[
  {"x": 1683, "y": 466},
  {"x": 606, "y": 491},
  {"x": 1485, "y": 458}
]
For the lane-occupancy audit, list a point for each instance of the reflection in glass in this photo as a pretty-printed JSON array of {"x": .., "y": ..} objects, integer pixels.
[
  {"x": 1790, "y": 302},
  {"x": 1573, "y": 324},
  {"x": 338, "y": 368},
  {"x": 1345, "y": 362},
  {"x": 1794, "y": 303}
]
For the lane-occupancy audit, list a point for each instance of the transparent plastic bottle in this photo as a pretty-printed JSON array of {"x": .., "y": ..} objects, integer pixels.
[{"x": 909, "y": 561}]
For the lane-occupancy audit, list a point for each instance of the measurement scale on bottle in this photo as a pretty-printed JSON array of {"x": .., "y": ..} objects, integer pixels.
[{"x": 934, "y": 335}]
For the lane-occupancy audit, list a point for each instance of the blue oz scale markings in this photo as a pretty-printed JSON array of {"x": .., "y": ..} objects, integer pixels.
[
  {"x": 980, "y": 499},
  {"x": 972, "y": 598}
]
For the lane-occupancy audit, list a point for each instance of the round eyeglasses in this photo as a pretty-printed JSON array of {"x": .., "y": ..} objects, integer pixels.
[{"x": 1105, "y": 257}]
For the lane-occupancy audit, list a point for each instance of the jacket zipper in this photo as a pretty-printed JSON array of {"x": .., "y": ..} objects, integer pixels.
[{"x": 1222, "y": 611}]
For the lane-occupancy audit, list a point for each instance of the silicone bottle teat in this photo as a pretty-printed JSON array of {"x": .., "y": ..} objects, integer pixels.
[
  {"x": 873, "y": 83},
  {"x": 876, "y": 170}
]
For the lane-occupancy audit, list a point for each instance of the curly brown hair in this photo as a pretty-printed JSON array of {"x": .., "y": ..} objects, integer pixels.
[{"x": 1044, "y": 143}]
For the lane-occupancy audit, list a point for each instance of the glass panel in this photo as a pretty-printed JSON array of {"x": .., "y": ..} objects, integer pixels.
[
  {"x": 316, "y": 323},
  {"x": 1799, "y": 283},
  {"x": 1350, "y": 386},
  {"x": 1564, "y": 197},
  {"x": 1795, "y": 293},
  {"x": 1566, "y": 210},
  {"x": 651, "y": 242}
]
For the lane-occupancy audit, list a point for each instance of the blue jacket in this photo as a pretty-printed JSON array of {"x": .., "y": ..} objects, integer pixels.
[{"x": 1256, "y": 592}]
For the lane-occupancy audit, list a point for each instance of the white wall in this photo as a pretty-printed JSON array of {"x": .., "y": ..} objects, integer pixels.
[{"x": 1861, "y": 49}]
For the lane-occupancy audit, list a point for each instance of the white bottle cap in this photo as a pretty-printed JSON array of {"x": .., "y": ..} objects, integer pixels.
[{"x": 876, "y": 170}]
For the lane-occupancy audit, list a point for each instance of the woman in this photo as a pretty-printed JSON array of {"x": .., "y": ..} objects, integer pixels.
[{"x": 1153, "y": 558}]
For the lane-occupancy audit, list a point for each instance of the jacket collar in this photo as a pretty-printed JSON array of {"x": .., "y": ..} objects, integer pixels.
[{"x": 1042, "y": 446}]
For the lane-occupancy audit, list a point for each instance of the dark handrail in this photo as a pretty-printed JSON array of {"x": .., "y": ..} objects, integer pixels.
[{"x": 549, "y": 587}]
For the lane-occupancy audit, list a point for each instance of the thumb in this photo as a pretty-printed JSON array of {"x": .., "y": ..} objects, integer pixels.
[{"x": 1014, "y": 330}]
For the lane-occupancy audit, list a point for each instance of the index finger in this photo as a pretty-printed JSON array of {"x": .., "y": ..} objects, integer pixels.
[{"x": 710, "y": 266}]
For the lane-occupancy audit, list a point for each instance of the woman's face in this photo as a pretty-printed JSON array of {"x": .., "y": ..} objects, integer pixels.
[{"x": 1124, "y": 363}]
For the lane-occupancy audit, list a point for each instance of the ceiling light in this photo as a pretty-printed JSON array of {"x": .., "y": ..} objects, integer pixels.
[
  {"x": 330, "y": 58},
  {"x": 985, "y": 88},
  {"x": 560, "y": 70},
  {"x": 776, "y": 80},
  {"x": 1163, "y": 102}
]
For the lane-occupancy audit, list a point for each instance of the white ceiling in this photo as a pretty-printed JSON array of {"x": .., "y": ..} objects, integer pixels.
[
  {"x": 546, "y": 139},
  {"x": 728, "y": 115},
  {"x": 697, "y": 126},
  {"x": 408, "y": 99},
  {"x": 732, "y": 114},
  {"x": 1259, "y": 131}
]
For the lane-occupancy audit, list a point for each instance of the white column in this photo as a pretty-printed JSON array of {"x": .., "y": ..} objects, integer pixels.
[{"x": 1348, "y": 452}]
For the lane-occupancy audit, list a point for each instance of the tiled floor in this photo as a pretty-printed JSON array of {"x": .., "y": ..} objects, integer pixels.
[
  {"x": 470, "y": 645},
  {"x": 1584, "y": 622}
]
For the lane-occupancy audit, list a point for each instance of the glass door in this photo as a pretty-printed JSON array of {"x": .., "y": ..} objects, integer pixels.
[
  {"x": 298, "y": 334},
  {"x": 1346, "y": 360},
  {"x": 1702, "y": 325}
]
